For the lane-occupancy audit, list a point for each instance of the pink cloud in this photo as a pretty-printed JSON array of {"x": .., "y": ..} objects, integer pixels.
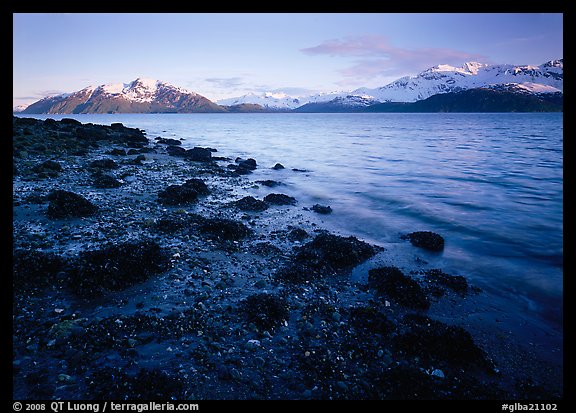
[{"x": 380, "y": 58}]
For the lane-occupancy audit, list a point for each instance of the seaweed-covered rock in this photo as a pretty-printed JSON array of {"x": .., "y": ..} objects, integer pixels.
[
  {"x": 269, "y": 183},
  {"x": 398, "y": 287},
  {"x": 297, "y": 234},
  {"x": 225, "y": 229},
  {"x": 66, "y": 204},
  {"x": 249, "y": 203},
  {"x": 102, "y": 181},
  {"x": 321, "y": 209},
  {"x": 104, "y": 164},
  {"x": 325, "y": 255},
  {"x": 426, "y": 239},
  {"x": 265, "y": 310},
  {"x": 438, "y": 344},
  {"x": 48, "y": 168},
  {"x": 169, "y": 141},
  {"x": 199, "y": 154},
  {"x": 34, "y": 269},
  {"x": 183, "y": 194},
  {"x": 116, "y": 267},
  {"x": 439, "y": 278},
  {"x": 176, "y": 151},
  {"x": 117, "y": 151},
  {"x": 280, "y": 199},
  {"x": 116, "y": 384}
]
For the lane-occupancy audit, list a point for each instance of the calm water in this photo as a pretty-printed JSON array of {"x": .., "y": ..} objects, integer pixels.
[{"x": 491, "y": 184}]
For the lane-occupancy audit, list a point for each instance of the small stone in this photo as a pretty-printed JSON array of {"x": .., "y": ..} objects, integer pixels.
[
  {"x": 336, "y": 316},
  {"x": 380, "y": 353},
  {"x": 252, "y": 344},
  {"x": 438, "y": 373},
  {"x": 64, "y": 378},
  {"x": 260, "y": 284},
  {"x": 306, "y": 354},
  {"x": 342, "y": 386}
]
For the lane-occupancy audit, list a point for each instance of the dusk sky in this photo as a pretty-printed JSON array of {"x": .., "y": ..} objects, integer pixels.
[{"x": 226, "y": 55}]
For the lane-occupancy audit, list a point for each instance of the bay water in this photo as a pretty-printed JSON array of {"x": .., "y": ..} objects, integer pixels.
[{"x": 490, "y": 183}]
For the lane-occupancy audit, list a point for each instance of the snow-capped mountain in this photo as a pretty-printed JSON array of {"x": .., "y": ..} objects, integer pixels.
[
  {"x": 139, "y": 96},
  {"x": 546, "y": 78},
  {"x": 279, "y": 101}
]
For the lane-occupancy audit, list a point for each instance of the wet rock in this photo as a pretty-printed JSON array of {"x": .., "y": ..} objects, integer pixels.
[
  {"x": 270, "y": 183},
  {"x": 297, "y": 234},
  {"x": 437, "y": 343},
  {"x": 103, "y": 181},
  {"x": 320, "y": 209},
  {"x": 117, "y": 151},
  {"x": 137, "y": 161},
  {"x": 278, "y": 166},
  {"x": 399, "y": 288},
  {"x": 249, "y": 163},
  {"x": 183, "y": 194},
  {"x": 265, "y": 310},
  {"x": 66, "y": 204},
  {"x": 369, "y": 322},
  {"x": 325, "y": 255},
  {"x": 116, "y": 267},
  {"x": 199, "y": 154},
  {"x": 251, "y": 204},
  {"x": 168, "y": 141},
  {"x": 117, "y": 384},
  {"x": 35, "y": 269},
  {"x": 48, "y": 168},
  {"x": 104, "y": 164},
  {"x": 225, "y": 229},
  {"x": 266, "y": 249},
  {"x": 426, "y": 239},
  {"x": 439, "y": 278},
  {"x": 280, "y": 199},
  {"x": 176, "y": 151}
]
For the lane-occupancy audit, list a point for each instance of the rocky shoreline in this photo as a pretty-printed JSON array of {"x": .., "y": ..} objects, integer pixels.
[{"x": 143, "y": 270}]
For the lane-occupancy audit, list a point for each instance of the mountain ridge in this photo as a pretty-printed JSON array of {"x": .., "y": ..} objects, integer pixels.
[{"x": 145, "y": 95}]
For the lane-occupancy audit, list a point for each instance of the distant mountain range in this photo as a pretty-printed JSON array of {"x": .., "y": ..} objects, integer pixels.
[{"x": 472, "y": 87}]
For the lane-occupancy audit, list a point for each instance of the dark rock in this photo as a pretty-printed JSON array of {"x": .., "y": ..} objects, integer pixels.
[
  {"x": 102, "y": 181},
  {"x": 269, "y": 183},
  {"x": 324, "y": 255},
  {"x": 266, "y": 249},
  {"x": 251, "y": 204},
  {"x": 168, "y": 141},
  {"x": 138, "y": 160},
  {"x": 183, "y": 194},
  {"x": 199, "y": 154},
  {"x": 33, "y": 269},
  {"x": 265, "y": 310},
  {"x": 322, "y": 209},
  {"x": 116, "y": 267},
  {"x": 225, "y": 229},
  {"x": 48, "y": 168},
  {"x": 176, "y": 151},
  {"x": 369, "y": 322},
  {"x": 437, "y": 343},
  {"x": 198, "y": 185},
  {"x": 65, "y": 204},
  {"x": 133, "y": 152},
  {"x": 297, "y": 234},
  {"x": 456, "y": 283},
  {"x": 280, "y": 199},
  {"x": 116, "y": 126},
  {"x": 278, "y": 166},
  {"x": 248, "y": 164},
  {"x": 104, "y": 164},
  {"x": 116, "y": 384},
  {"x": 426, "y": 239},
  {"x": 117, "y": 151},
  {"x": 399, "y": 288},
  {"x": 68, "y": 121}
]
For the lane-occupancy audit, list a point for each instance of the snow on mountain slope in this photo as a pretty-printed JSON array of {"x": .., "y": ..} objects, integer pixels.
[{"x": 547, "y": 77}]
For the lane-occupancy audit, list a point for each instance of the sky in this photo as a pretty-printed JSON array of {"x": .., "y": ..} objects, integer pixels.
[{"x": 223, "y": 55}]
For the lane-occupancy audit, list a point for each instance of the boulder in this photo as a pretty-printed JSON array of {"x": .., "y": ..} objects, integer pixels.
[{"x": 66, "y": 204}]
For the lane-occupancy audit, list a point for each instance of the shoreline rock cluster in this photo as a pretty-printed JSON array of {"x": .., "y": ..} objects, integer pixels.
[{"x": 143, "y": 270}]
